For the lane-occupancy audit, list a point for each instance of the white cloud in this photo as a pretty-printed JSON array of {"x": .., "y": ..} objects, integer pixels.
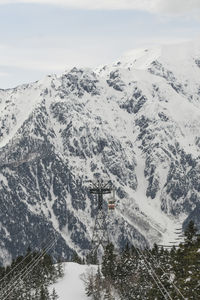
[
  {"x": 155, "y": 6},
  {"x": 56, "y": 54},
  {"x": 178, "y": 6},
  {"x": 3, "y": 74}
]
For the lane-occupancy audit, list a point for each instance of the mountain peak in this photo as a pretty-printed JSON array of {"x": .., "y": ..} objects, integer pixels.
[{"x": 142, "y": 58}]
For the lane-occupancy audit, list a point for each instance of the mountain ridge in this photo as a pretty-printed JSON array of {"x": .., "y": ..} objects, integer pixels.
[{"x": 137, "y": 127}]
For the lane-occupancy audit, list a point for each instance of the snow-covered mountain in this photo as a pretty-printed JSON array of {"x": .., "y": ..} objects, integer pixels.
[{"x": 136, "y": 122}]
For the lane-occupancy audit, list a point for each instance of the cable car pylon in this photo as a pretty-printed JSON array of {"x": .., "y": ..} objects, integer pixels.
[{"x": 100, "y": 236}]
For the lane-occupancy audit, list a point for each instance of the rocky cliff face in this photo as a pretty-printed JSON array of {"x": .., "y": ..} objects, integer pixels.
[{"x": 136, "y": 123}]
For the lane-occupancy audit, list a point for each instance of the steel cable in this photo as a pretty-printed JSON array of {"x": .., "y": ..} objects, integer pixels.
[
  {"x": 23, "y": 273},
  {"x": 154, "y": 276},
  {"x": 176, "y": 288},
  {"x": 26, "y": 257}
]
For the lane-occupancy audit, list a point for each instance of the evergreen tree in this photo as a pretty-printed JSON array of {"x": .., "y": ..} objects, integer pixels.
[
  {"x": 155, "y": 250},
  {"x": 44, "y": 293},
  {"x": 108, "y": 295},
  {"x": 91, "y": 258},
  {"x": 59, "y": 269},
  {"x": 37, "y": 294},
  {"x": 54, "y": 295},
  {"x": 109, "y": 262},
  {"x": 186, "y": 264},
  {"x": 76, "y": 258},
  {"x": 190, "y": 233},
  {"x": 89, "y": 289}
]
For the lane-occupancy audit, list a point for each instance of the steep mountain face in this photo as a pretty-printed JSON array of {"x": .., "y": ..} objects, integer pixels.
[{"x": 135, "y": 123}]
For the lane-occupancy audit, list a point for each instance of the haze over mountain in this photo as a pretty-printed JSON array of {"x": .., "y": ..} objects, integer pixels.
[{"x": 135, "y": 122}]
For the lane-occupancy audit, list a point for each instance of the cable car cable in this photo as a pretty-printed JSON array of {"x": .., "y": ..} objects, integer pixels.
[
  {"x": 24, "y": 270},
  {"x": 15, "y": 267},
  {"x": 157, "y": 280},
  {"x": 27, "y": 271},
  {"x": 176, "y": 288},
  {"x": 32, "y": 260}
]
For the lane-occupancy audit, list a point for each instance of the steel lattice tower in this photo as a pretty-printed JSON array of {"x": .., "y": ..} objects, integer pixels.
[{"x": 100, "y": 232}]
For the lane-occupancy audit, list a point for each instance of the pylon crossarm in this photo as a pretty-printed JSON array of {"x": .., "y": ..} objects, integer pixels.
[{"x": 100, "y": 191}]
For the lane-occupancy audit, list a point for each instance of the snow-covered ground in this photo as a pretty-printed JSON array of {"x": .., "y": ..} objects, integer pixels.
[{"x": 71, "y": 286}]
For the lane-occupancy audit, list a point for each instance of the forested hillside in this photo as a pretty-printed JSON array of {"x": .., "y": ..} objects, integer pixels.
[{"x": 149, "y": 273}]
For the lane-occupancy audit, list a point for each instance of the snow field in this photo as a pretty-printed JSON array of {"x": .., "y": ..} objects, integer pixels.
[{"x": 71, "y": 286}]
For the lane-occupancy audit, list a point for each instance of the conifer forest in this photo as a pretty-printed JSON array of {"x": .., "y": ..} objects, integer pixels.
[
  {"x": 148, "y": 274},
  {"x": 26, "y": 279},
  {"x": 133, "y": 273}
]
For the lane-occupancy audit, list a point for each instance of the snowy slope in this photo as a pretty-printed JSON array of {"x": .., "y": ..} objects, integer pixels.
[
  {"x": 135, "y": 122},
  {"x": 71, "y": 286}
]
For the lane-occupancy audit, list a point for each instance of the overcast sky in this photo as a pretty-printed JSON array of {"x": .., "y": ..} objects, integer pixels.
[{"x": 38, "y": 37}]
